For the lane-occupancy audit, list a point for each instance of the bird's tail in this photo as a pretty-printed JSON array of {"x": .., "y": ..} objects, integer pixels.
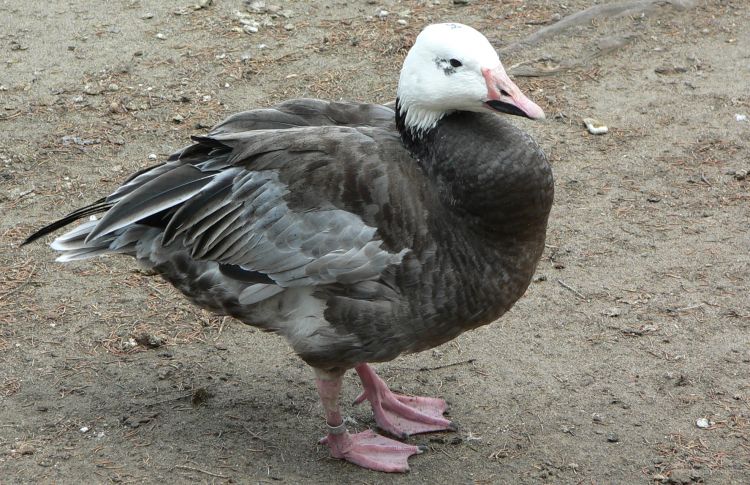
[
  {"x": 77, "y": 244},
  {"x": 97, "y": 207},
  {"x": 73, "y": 244}
]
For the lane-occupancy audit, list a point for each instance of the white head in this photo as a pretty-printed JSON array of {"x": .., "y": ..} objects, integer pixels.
[{"x": 453, "y": 67}]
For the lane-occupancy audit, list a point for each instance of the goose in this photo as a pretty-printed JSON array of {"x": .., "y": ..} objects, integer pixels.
[{"x": 359, "y": 232}]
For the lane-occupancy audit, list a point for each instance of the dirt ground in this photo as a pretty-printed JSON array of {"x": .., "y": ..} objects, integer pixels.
[{"x": 626, "y": 362}]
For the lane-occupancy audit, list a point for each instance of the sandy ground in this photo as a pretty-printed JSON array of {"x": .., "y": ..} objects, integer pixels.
[{"x": 636, "y": 327}]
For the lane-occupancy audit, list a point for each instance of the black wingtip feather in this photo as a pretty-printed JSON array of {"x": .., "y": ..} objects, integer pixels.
[
  {"x": 207, "y": 140},
  {"x": 95, "y": 208},
  {"x": 45, "y": 230},
  {"x": 91, "y": 209}
]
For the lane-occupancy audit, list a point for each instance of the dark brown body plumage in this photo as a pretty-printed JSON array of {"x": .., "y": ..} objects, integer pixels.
[{"x": 333, "y": 225}]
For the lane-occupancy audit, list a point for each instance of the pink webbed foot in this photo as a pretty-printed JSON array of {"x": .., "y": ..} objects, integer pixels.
[
  {"x": 370, "y": 450},
  {"x": 398, "y": 414}
]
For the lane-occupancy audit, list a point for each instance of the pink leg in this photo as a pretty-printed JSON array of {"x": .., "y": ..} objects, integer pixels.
[
  {"x": 398, "y": 414},
  {"x": 365, "y": 449}
]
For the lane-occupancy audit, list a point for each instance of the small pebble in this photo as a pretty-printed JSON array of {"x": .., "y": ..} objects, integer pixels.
[
  {"x": 68, "y": 139},
  {"x": 250, "y": 28},
  {"x": 84, "y": 429},
  {"x": 679, "y": 476},
  {"x": 92, "y": 90},
  {"x": 613, "y": 312},
  {"x": 164, "y": 372},
  {"x": 178, "y": 118},
  {"x": 116, "y": 107},
  {"x": 670, "y": 70},
  {"x": 740, "y": 174},
  {"x": 289, "y": 27},
  {"x": 740, "y": 117},
  {"x": 256, "y": 6},
  {"x": 200, "y": 396},
  {"x": 402, "y": 22},
  {"x": 148, "y": 340},
  {"x": 147, "y": 15},
  {"x": 382, "y": 13},
  {"x": 161, "y": 36},
  {"x": 152, "y": 156},
  {"x": 26, "y": 449},
  {"x": 595, "y": 126},
  {"x": 702, "y": 423},
  {"x": 613, "y": 438},
  {"x": 460, "y": 2}
]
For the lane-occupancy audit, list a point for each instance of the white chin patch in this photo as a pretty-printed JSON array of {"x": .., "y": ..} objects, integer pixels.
[{"x": 420, "y": 120}]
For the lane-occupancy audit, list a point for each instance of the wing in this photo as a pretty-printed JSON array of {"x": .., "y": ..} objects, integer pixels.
[
  {"x": 244, "y": 218},
  {"x": 272, "y": 199},
  {"x": 308, "y": 112}
]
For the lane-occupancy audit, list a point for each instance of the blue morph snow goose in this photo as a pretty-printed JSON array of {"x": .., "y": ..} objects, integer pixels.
[{"x": 356, "y": 231}]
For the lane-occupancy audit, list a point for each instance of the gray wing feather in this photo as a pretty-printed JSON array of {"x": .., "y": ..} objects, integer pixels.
[
  {"x": 224, "y": 199},
  {"x": 307, "y": 112},
  {"x": 252, "y": 226},
  {"x": 167, "y": 190},
  {"x": 258, "y": 292}
]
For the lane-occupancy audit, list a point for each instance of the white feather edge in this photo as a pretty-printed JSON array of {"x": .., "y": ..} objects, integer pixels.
[
  {"x": 63, "y": 243},
  {"x": 258, "y": 292}
]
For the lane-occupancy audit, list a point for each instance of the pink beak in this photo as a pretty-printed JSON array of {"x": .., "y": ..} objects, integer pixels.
[{"x": 503, "y": 95}]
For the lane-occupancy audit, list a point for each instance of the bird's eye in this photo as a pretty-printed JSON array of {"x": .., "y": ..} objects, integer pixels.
[{"x": 455, "y": 63}]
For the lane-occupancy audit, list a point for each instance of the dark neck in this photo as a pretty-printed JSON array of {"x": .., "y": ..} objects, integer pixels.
[{"x": 486, "y": 170}]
